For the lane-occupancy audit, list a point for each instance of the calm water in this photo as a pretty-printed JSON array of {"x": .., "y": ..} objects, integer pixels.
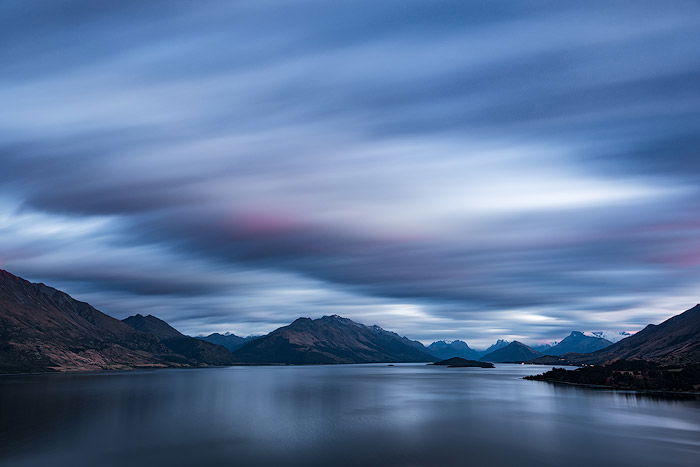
[{"x": 336, "y": 415}]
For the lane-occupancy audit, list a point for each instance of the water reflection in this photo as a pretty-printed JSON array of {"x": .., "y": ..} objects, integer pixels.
[{"x": 336, "y": 415}]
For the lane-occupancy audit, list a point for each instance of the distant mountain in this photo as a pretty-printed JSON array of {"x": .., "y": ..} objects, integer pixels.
[
  {"x": 500, "y": 343},
  {"x": 515, "y": 352},
  {"x": 578, "y": 342},
  {"x": 611, "y": 336},
  {"x": 445, "y": 350},
  {"x": 675, "y": 341},
  {"x": 44, "y": 329},
  {"x": 194, "y": 350},
  {"x": 228, "y": 340},
  {"x": 542, "y": 348},
  {"x": 331, "y": 339}
]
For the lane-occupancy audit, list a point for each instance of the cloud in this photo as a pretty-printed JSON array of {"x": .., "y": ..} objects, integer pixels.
[{"x": 450, "y": 170}]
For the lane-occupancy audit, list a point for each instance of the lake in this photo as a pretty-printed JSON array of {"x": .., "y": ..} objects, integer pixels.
[{"x": 363, "y": 415}]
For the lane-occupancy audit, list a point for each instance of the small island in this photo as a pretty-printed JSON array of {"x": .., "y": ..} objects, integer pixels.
[{"x": 458, "y": 362}]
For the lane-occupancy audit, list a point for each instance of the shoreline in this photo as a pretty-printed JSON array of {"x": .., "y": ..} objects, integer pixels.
[
  {"x": 126, "y": 370},
  {"x": 618, "y": 389}
]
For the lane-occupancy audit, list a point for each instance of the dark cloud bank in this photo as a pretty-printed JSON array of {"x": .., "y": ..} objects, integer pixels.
[{"x": 445, "y": 169}]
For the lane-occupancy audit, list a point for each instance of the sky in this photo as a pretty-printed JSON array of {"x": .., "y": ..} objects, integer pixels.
[{"x": 447, "y": 170}]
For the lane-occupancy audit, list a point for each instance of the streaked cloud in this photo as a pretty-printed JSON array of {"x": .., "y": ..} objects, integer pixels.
[{"x": 447, "y": 170}]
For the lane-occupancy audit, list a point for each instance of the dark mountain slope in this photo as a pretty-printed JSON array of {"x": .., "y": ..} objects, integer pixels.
[
  {"x": 331, "y": 339},
  {"x": 44, "y": 329},
  {"x": 579, "y": 343},
  {"x": 152, "y": 325},
  {"x": 194, "y": 350},
  {"x": 675, "y": 341},
  {"x": 514, "y": 352}
]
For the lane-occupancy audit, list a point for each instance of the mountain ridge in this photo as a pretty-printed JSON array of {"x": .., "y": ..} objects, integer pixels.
[
  {"x": 515, "y": 352},
  {"x": 577, "y": 342},
  {"x": 195, "y": 350},
  {"x": 674, "y": 341},
  {"x": 230, "y": 341},
  {"x": 457, "y": 348},
  {"x": 45, "y": 329},
  {"x": 331, "y": 339}
]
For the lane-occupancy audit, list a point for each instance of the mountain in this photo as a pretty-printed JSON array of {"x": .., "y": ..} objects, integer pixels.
[
  {"x": 515, "y": 352},
  {"x": 44, "y": 329},
  {"x": 579, "y": 343},
  {"x": 445, "y": 350},
  {"x": 194, "y": 350},
  {"x": 152, "y": 325},
  {"x": 611, "y": 336},
  {"x": 542, "y": 348},
  {"x": 331, "y": 339},
  {"x": 500, "y": 343},
  {"x": 675, "y": 341},
  {"x": 228, "y": 340}
]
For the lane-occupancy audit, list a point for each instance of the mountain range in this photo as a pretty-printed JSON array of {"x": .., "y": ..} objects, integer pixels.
[
  {"x": 228, "y": 340},
  {"x": 44, "y": 329},
  {"x": 576, "y": 342},
  {"x": 516, "y": 352}
]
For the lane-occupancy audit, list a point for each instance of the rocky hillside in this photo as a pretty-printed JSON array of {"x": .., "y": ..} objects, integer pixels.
[
  {"x": 675, "y": 341},
  {"x": 194, "y": 350},
  {"x": 44, "y": 329}
]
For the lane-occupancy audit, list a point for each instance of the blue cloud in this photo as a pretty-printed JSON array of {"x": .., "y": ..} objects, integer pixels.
[{"x": 447, "y": 169}]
